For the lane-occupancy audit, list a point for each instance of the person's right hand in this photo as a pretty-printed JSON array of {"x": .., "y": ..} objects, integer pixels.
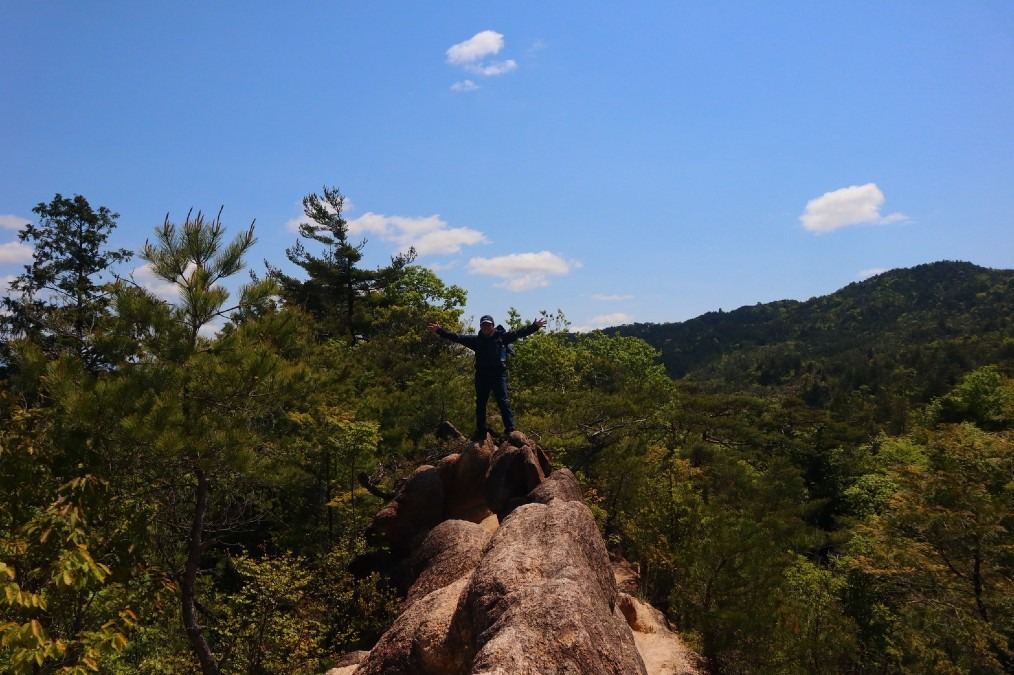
[{"x": 433, "y": 327}]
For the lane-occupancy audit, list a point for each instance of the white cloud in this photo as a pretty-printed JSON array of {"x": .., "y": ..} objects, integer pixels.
[
  {"x": 472, "y": 55},
  {"x": 212, "y": 328},
  {"x": 854, "y": 205},
  {"x": 15, "y": 252},
  {"x": 523, "y": 271},
  {"x": 476, "y": 48},
  {"x": 611, "y": 297},
  {"x": 157, "y": 286},
  {"x": 605, "y": 321},
  {"x": 866, "y": 274},
  {"x": 429, "y": 236},
  {"x": 9, "y": 222}
]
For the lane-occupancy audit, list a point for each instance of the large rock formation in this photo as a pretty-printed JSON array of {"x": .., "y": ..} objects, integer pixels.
[{"x": 537, "y": 595}]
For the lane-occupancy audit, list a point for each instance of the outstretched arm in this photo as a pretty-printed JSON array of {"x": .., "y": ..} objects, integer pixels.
[
  {"x": 466, "y": 340},
  {"x": 533, "y": 327}
]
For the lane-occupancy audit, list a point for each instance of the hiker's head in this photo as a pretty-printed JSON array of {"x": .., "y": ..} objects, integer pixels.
[{"x": 486, "y": 325}]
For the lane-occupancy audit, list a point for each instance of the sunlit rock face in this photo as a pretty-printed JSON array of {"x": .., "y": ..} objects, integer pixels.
[{"x": 537, "y": 594}]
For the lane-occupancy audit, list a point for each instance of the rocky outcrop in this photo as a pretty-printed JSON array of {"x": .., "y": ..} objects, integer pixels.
[
  {"x": 453, "y": 549},
  {"x": 661, "y": 650},
  {"x": 453, "y": 489},
  {"x": 538, "y": 595},
  {"x": 544, "y": 594},
  {"x": 515, "y": 469}
]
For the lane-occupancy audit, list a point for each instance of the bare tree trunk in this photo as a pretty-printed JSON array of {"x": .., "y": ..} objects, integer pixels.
[{"x": 199, "y": 645}]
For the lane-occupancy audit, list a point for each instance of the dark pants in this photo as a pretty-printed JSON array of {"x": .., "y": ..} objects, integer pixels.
[{"x": 494, "y": 382}]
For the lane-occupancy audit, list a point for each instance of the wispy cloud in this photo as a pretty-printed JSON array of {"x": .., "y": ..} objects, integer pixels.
[
  {"x": 872, "y": 272},
  {"x": 15, "y": 252},
  {"x": 5, "y": 283},
  {"x": 605, "y": 321},
  {"x": 611, "y": 297},
  {"x": 428, "y": 235},
  {"x": 523, "y": 271},
  {"x": 473, "y": 55},
  {"x": 536, "y": 47},
  {"x": 444, "y": 266},
  {"x": 9, "y": 222},
  {"x": 854, "y": 205},
  {"x": 492, "y": 69}
]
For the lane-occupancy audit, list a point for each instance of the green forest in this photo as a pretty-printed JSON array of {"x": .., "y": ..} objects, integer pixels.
[{"x": 806, "y": 487}]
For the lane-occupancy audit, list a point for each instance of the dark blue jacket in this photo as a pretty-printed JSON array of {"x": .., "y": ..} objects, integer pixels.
[{"x": 490, "y": 352}]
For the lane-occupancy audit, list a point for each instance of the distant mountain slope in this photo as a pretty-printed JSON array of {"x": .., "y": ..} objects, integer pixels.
[{"x": 917, "y": 329}]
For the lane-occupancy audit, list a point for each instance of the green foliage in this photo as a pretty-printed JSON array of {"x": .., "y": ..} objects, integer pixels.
[
  {"x": 371, "y": 323},
  {"x": 60, "y": 304},
  {"x": 266, "y": 626},
  {"x": 985, "y": 397},
  {"x": 402, "y": 378},
  {"x": 354, "y": 612},
  {"x": 815, "y": 634},
  {"x": 274, "y": 613},
  {"x": 335, "y": 448},
  {"x": 205, "y": 410},
  {"x": 716, "y": 530},
  {"x": 64, "y": 608},
  {"x": 941, "y": 557},
  {"x": 582, "y": 394}
]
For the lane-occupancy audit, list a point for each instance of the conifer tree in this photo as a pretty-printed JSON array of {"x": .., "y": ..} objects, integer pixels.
[
  {"x": 336, "y": 283},
  {"x": 58, "y": 302},
  {"x": 202, "y": 406}
]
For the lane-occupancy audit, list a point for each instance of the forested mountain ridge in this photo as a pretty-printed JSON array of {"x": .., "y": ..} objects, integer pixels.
[{"x": 926, "y": 325}]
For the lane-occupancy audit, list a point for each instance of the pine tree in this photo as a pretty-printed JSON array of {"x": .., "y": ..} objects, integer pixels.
[
  {"x": 201, "y": 408},
  {"x": 58, "y": 302},
  {"x": 336, "y": 284}
]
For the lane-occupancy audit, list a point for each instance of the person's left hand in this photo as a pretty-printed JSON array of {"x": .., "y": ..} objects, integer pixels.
[{"x": 541, "y": 323}]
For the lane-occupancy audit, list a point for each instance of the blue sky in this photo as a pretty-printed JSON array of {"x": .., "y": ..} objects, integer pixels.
[{"x": 622, "y": 162}]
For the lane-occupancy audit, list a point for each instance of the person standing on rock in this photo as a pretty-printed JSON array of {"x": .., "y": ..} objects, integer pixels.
[{"x": 490, "y": 347}]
